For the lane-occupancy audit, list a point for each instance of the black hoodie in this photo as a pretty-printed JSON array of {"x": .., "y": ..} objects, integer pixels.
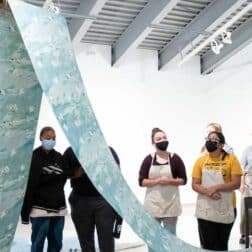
[{"x": 45, "y": 188}]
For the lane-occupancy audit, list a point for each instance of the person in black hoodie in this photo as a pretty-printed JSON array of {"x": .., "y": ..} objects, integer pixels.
[
  {"x": 89, "y": 210},
  {"x": 44, "y": 202}
]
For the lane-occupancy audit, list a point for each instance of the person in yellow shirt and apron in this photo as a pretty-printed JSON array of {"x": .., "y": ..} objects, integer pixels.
[
  {"x": 162, "y": 173},
  {"x": 215, "y": 176}
]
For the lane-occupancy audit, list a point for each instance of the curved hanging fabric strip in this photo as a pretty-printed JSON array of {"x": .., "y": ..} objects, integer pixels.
[
  {"x": 48, "y": 44},
  {"x": 20, "y": 97}
]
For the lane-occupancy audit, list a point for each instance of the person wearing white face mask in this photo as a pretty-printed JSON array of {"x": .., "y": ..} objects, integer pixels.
[
  {"x": 44, "y": 202},
  {"x": 162, "y": 173}
]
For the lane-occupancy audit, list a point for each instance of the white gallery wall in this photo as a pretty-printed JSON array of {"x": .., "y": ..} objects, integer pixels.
[{"x": 133, "y": 97}]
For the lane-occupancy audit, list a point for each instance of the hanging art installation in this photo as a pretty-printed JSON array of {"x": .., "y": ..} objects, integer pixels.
[{"x": 32, "y": 63}]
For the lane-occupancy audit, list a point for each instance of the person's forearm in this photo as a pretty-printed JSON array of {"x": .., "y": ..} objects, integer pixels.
[
  {"x": 150, "y": 182},
  {"x": 174, "y": 182},
  {"x": 230, "y": 186},
  {"x": 199, "y": 189},
  {"x": 242, "y": 186},
  {"x": 178, "y": 181}
]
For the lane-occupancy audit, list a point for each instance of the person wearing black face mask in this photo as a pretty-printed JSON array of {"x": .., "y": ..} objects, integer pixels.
[
  {"x": 211, "y": 146},
  {"x": 216, "y": 175},
  {"x": 216, "y": 127},
  {"x": 162, "y": 173},
  {"x": 162, "y": 145}
]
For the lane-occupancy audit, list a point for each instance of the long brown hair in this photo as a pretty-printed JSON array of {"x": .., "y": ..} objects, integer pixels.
[{"x": 153, "y": 132}]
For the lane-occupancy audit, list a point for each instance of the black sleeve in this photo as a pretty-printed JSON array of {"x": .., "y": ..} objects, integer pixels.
[
  {"x": 118, "y": 218},
  {"x": 178, "y": 168},
  {"x": 115, "y": 156},
  {"x": 144, "y": 169},
  {"x": 70, "y": 162},
  {"x": 32, "y": 184}
]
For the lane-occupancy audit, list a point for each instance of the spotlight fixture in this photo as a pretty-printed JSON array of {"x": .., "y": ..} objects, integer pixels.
[
  {"x": 49, "y": 5},
  {"x": 217, "y": 33},
  {"x": 226, "y": 37},
  {"x": 216, "y": 46}
]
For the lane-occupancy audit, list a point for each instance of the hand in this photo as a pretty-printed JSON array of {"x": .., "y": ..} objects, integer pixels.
[
  {"x": 210, "y": 191},
  {"x": 78, "y": 173},
  {"x": 216, "y": 196},
  {"x": 164, "y": 180}
]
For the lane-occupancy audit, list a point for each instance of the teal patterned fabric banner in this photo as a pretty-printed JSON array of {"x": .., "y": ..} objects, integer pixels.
[
  {"x": 20, "y": 97},
  {"x": 46, "y": 39}
]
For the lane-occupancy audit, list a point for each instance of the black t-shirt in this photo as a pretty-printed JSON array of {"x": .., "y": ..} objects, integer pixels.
[{"x": 83, "y": 184}]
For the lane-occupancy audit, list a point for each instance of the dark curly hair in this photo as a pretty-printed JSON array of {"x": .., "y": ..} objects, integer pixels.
[
  {"x": 45, "y": 129},
  {"x": 220, "y": 136}
]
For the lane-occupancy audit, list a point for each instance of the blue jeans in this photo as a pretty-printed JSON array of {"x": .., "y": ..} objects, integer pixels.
[
  {"x": 168, "y": 223},
  {"x": 50, "y": 228}
]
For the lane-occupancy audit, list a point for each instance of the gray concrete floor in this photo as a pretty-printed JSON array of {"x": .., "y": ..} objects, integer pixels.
[
  {"x": 129, "y": 241},
  {"x": 23, "y": 233}
]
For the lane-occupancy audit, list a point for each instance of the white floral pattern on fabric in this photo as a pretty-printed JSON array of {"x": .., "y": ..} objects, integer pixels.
[{"x": 20, "y": 97}]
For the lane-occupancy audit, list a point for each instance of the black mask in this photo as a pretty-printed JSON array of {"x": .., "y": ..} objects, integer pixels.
[
  {"x": 211, "y": 146},
  {"x": 162, "y": 145}
]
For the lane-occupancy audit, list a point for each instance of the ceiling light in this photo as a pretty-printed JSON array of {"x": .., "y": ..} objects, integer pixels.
[
  {"x": 216, "y": 46},
  {"x": 49, "y": 5},
  {"x": 229, "y": 23},
  {"x": 226, "y": 37}
]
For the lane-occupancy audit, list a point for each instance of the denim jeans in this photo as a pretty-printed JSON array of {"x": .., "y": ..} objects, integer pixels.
[
  {"x": 50, "y": 228},
  {"x": 168, "y": 223}
]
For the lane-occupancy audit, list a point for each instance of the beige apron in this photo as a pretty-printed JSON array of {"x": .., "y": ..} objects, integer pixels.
[
  {"x": 222, "y": 210},
  {"x": 162, "y": 200}
]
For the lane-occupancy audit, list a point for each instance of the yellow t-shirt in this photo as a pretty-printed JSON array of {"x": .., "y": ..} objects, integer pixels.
[{"x": 229, "y": 166}]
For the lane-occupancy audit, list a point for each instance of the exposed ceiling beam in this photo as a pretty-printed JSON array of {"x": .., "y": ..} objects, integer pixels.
[
  {"x": 240, "y": 38},
  {"x": 78, "y": 27},
  {"x": 47, "y": 3},
  {"x": 152, "y": 13},
  {"x": 217, "y": 10}
]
